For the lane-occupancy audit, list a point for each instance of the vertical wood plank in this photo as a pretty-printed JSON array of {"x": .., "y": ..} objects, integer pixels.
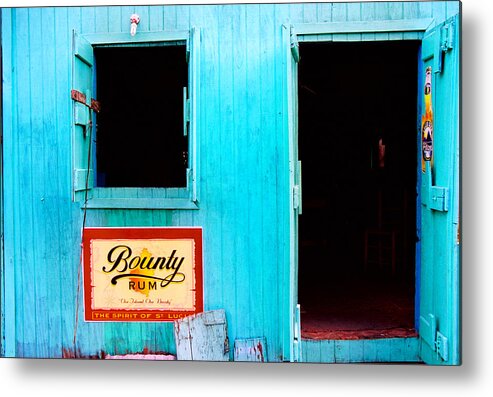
[
  {"x": 250, "y": 350},
  {"x": 295, "y": 12},
  {"x": 226, "y": 21},
  {"x": 51, "y": 220},
  {"x": 354, "y": 14},
  {"x": 382, "y": 12},
  {"x": 210, "y": 165},
  {"x": 25, "y": 274},
  {"x": 283, "y": 208},
  {"x": 143, "y": 13},
  {"x": 425, "y": 9},
  {"x": 311, "y": 351},
  {"x": 439, "y": 11},
  {"x": 396, "y": 12},
  {"x": 324, "y": 12},
  {"x": 411, "y": 11},
  {"x": 88, "y": 20},
  {"x": 169, "y": 15},
  {"x": 239, "y": 165},
  {"x": 182, "y": 17},
  {"x": 156, "y": 18},
  {"x": 101, "y": 19},
  {"x": 9, "y": 332},
  {"x": 268, "y": 193},
  {"x": 339, "y": 14},
  {"x": 309, "y": 13},
  {"x": 453, "y": 8},
  {"x": 368, "y": 13},
  {"x": 115, "y": 19}
]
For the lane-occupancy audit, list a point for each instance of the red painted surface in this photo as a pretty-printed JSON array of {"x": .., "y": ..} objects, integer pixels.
[
  {"x": 352, "y": 308},
  {"x": 261, "y": 352}
]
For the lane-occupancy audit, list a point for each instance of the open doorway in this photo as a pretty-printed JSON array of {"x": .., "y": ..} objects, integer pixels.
[{"x": 358, "y": 147}]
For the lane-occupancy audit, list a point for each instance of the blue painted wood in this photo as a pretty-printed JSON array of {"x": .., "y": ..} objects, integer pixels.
[
  {"x": 243, "y": 170},
  {"x": 419, "y": 176},
  {"x": 439, "y": 246},
  {"x": 9, "y": 177},
  {"x": 395, "y": 350}
]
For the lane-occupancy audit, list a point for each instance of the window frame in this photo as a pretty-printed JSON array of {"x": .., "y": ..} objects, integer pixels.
[{"x": 169, "y": 198}]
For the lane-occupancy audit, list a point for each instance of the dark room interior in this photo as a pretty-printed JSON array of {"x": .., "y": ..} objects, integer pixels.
[{"x": 358, "y": 146}]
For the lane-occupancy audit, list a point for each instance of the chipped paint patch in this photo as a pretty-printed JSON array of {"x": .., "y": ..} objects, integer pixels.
[
  {"x": 250, "y": 350},
  {"x": 152, "y": 357},
  {"x": 69, "y": 353}
]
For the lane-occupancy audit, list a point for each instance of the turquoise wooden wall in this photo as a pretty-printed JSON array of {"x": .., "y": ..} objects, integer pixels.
[{"x": 243, "y": 171}]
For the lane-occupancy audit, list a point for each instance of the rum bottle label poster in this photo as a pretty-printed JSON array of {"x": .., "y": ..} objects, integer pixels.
[
  {"x": 427, "y": 125},
  {"x": 148, "y": 274}
]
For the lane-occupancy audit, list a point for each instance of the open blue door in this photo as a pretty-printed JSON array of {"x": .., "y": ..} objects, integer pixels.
[
  {"x": 439, "y": 272},
  {"x": 291, "y": 58}
]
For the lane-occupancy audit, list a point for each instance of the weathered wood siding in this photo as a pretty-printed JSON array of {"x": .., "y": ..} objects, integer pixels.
[
  {"x": 397, "y": 350},
  {"x": 243, "y": 163}
]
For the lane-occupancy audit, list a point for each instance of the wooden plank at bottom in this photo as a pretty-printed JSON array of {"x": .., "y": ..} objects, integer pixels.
[
  {"x": 202, "y": 337},
  {"x": 311, "y": 351},
  {"x": 403, "y": 350}
]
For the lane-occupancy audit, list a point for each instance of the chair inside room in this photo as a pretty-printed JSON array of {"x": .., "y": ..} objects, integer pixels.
[{"x": 384, "y": 239}]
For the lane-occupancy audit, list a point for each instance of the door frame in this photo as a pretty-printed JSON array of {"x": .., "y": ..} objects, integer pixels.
[{"x": 407, "y": 29}]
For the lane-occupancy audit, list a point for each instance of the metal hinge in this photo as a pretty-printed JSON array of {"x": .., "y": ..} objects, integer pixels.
[
  {"x": 447, "y": 37},
  {"x": 296, "y": 197},
  {"x": 439, "y": 198},
  {"x": 186, "y": 111},
  {"x": 441, "y": 345},
  {"x": 79, "y": 97},
  {"x": 434, "y": 338},
  {"x": 445, "y": 44},
  {"x": 83, "y": 105},
  {"x": 297, "y": 335},
  {"x": 295, "y": 47},
  {"x": 297, "y": 189}
]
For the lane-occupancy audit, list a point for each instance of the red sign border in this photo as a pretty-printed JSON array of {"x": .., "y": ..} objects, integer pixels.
[{"x": 91, "y": 233}]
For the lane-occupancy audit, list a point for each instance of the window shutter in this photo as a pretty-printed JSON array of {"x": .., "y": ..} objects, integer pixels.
[
  {"x": 194, "y": 73},
  {"x": 83, "y": 106}
]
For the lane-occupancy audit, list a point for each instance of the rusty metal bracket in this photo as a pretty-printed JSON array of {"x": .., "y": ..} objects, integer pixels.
[{"x": 81, "y": 98}]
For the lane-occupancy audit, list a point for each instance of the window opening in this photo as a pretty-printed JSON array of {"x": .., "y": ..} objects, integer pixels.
[
  {"x": 358, "y": 146},
  {"x": 140, "y": 140}
]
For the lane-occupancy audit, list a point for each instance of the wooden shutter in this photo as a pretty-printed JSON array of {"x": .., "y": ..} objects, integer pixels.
[
  {"x": 193, "y": 109},
  {"x": 81, "y": 94},
  {"x": 439, "y": 264}
]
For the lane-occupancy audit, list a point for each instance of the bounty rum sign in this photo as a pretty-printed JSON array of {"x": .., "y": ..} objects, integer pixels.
[{"x": 142, "y": 274}]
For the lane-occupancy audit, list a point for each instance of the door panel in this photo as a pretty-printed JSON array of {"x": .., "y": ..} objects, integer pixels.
[
  {"x": 439, "y": 283},
  {"x": 291, "y": 58}
]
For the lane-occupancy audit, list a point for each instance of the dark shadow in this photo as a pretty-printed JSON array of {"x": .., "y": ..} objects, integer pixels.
[
  {"x": 140, "y": 137},
  {"x": 358, "y": 226}
]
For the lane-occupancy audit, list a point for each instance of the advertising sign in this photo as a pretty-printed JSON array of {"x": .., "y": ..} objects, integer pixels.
[{"x": 142, "y": 274}]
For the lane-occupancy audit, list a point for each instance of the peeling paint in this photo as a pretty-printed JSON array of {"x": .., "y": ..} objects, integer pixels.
[
  {"x": 261, "y": 351},
  {"x": 145, "y": 354},
  {"x": 152, "y": 357},
  {"x": 70, "y": 353}
]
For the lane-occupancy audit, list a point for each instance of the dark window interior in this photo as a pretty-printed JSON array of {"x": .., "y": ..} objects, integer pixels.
[
  {"x": 139, "y": 138},
  {"x": 358, "y": 227}
]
